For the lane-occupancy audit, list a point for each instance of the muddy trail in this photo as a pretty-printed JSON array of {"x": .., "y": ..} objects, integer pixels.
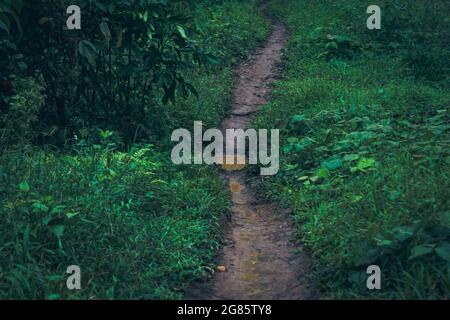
[{"x": 260, "y": 262}]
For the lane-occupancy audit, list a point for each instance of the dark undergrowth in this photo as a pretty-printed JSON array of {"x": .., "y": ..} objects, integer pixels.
[
  {"x": 365, "y": 137},
  {"x": 105, "y": 196}
]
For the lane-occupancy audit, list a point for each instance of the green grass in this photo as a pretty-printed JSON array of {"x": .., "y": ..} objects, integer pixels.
[
  {"x": 365, "y": 163},
  {"x": 138, "y": 226}
]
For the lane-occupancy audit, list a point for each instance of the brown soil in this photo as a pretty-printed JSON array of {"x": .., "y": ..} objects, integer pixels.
[{"x": 259, "y": 261}]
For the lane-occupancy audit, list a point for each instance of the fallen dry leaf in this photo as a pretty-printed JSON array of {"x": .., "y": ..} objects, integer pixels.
[
  {"x": 221, "y": 269},
  {"x": 235, "y": 187}
]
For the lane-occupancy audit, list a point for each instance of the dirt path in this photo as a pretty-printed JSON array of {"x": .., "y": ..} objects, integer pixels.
[{"x": 261, "y": 261}]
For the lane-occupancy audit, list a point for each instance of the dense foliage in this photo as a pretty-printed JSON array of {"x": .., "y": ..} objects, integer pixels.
[
  {"x": 128, "y": 60},
  {"x": 86, "y": 117},
  {"x": 85, "y": 121},
  {"x": 365, "y": 124}
]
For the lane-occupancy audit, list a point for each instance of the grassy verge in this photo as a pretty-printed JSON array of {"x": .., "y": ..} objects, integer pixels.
[
  {"x": 139, "y": 227},
  {"x": 365, "y": 164}
]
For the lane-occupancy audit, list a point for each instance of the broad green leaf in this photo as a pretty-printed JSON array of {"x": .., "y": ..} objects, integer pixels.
[
  {"x": 24, "y": 187},
  {"x": 297, "y": 118},
  {"x": 365, "y": 163},
  {"x": 212, "y": 60},
  {"x": 443, "y": 250},
  {"x": 402, "y": 233},
  {"x": 57, "y": 230},
  {"x": 57, "y": 210},
  {"x": 288, "y": 148},
  {"x": 72, "y": 214},
  {"x": 351, "y": 157},
  {"x": 332, "y": 45},
  {"x": 292, "y": 140},
  {"x": 39, "y": 206},
  {"x": 421, "y": 250},
  {"x": 384, "y": 242},
  {"x": 106, "y": 32},
  {"x": 182, "y": 32},
  {"x": 323, "y": 173},
  {"x": 88, "y": 51},
  {"x": 11, "y": 12},
  {"x": 332, "y": 164},
  {"x": 53, "y": 296}
]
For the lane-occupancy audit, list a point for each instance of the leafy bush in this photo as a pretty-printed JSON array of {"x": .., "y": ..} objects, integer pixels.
[
  {"x": 128, "y": 60},
  {"x": 415, "y": 31},
  {"x": 21, "y": 113},
  {"x": 9, "y": 17},
  {"x": 365, "y": 165}
]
